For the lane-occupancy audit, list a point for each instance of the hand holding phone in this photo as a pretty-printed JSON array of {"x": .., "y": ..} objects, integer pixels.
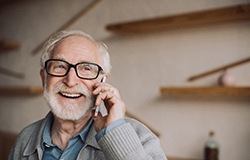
[{"x": 114, "y": 109}]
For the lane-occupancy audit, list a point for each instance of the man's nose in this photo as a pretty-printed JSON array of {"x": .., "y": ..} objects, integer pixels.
[{"x": 71, "y": 79}]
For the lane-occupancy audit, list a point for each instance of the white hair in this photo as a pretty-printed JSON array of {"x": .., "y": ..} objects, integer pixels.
[{"x": 57, "y": 37}]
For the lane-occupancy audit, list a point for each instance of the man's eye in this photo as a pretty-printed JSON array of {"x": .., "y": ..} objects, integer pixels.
[
  {"x": 60, "y": 66},
  {"x": 87, "y": 68}
]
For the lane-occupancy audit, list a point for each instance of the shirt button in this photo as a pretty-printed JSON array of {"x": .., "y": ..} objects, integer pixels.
[{"x": 46, "y": 145}]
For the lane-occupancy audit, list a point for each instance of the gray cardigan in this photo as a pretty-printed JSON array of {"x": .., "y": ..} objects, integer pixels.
[{"x": 130, "y": 141}]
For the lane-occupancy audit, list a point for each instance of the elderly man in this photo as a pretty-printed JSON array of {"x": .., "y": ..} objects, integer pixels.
[{"x": 73, "y": 69}]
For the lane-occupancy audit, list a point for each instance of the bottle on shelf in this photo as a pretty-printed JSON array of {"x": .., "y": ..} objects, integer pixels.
[{"x": 211, "y": 149}]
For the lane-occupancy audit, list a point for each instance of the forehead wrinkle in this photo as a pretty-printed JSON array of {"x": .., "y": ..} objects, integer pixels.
[
  {"x": 62, "y": 58},
  {"x": 79, "y": 46},
  {"x": 76, "y": 42}
]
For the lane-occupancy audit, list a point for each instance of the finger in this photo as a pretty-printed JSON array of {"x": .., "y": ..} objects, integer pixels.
[
  {"x": 102, "y": 88},
  {"x": 105, "y": 96}
]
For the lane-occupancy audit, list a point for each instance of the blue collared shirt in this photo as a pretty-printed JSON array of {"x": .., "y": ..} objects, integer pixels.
[{"x": 75, "y": 144}]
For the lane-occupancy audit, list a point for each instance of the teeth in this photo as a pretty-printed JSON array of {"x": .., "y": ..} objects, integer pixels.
[{"x": 75, "y": 95}]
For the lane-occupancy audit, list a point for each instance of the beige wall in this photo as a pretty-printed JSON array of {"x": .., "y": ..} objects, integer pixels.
[{"x": 141, "y": 65}]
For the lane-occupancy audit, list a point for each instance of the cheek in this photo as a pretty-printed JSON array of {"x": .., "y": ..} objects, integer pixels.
[
  {"x": 89, "y": 84},
  {"x": 51, "y": 82}
]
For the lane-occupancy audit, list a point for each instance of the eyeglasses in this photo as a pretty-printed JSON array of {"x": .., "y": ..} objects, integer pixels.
[{"x": 84, "y": 70}]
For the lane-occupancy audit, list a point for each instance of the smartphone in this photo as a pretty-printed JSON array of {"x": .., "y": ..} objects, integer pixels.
[{"x": 97, "y": 109}]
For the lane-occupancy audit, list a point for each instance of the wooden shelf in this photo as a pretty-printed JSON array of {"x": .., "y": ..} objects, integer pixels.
[
  {"x": 174, "y": 158},
  {"x": 228, "y": 14},
  {"x": 208, "y": 91},
  {"x": 6, "y": 45},
  {"x": 21, "y": 90}
]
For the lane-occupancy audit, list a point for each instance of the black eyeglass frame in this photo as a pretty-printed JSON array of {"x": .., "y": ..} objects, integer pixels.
[{"x": 72, "y": 66}]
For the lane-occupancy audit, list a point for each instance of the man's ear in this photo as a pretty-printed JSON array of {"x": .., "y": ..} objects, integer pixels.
[
  {"x": 106, "y": 75},
  {"x": 42, "y": 76}
]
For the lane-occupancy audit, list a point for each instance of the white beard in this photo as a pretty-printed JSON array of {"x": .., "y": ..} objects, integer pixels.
[{"x": 69, "y": 111}]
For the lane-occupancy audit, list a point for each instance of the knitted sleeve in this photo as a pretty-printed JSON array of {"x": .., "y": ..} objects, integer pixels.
[{"x": 131, "y": 141}]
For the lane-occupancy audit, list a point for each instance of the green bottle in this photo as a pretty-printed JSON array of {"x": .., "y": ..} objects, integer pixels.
[{"x": 211, "y": 150}]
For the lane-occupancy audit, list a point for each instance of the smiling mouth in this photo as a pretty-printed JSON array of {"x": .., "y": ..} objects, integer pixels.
[{"x": 71, "y": 95}]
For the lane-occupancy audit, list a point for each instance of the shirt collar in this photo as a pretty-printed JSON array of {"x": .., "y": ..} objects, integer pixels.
[
  {"x": 46, "y": 138},
  {"x": 83, "y": 134}
]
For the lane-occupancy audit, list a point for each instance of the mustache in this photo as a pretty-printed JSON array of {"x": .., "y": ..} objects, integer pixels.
[{"x": 82, "y": 89}]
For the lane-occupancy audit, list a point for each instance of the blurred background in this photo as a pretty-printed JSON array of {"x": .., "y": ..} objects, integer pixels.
[{"x": 152, "y": 62}]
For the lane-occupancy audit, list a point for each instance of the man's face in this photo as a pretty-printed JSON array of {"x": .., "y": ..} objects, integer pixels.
[{"x": 70, "y": 97}]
